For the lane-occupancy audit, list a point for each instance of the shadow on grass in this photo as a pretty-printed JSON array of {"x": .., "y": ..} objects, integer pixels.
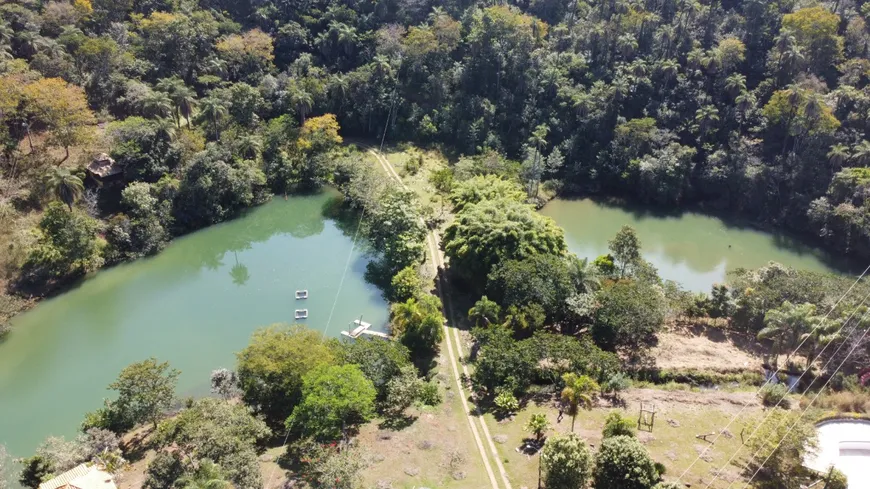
[{"x": 397, "y": 422}]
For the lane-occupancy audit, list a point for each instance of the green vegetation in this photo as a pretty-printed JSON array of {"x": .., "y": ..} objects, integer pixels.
[
  {"x": 752, "y": 108},
  {"x": 566, "y": 461}
]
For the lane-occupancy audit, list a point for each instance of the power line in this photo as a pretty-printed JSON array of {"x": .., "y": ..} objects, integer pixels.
[
  {"x": 831, "y": 377},
  {"x": 751, "y": 435},
  {"x": 719, "y": 434}
]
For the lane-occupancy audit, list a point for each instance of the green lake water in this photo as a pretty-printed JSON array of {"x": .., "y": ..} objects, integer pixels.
[
  {"x": 694, "y": 249},
  {"x": 194, "y": 305}
]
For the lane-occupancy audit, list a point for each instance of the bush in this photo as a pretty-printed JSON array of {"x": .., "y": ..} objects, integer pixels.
[
  {"x": 566, "y": 462},
  {"x": 836, "y": 480},
  {"x": 616, "y": 383},
  {"x": 617, "y": 425},
  {"x": 506, "y": 403},
  {"x": 623, "y": 463},
  {"x": 774, "y": 395},
  {"x": 414, "y": 164},
  {"x": 429, "y": 394},
  {"x": 844, "y": 402},
  {"x": 406, "y": 284},
  {"x": 163, "y": 471}
]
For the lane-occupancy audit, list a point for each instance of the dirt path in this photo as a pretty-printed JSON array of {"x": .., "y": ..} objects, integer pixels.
[{"x": 438, "y": 262}]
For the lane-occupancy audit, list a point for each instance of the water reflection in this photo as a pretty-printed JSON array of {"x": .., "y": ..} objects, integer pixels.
[
  {"x": 694, "y": 249},
  {"x": 194, "y": 305}
]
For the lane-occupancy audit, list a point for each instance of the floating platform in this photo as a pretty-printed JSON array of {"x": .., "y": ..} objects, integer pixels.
[
  {"x": 301, "y": 313},
  {"x": 301, "y": 294},
  {"x": 362, "y": 328}
]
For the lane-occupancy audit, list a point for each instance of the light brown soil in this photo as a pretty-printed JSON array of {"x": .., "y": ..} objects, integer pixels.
[{"x": 706, "y": 348}]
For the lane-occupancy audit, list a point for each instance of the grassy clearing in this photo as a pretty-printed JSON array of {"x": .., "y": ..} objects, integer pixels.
[
  {"x": 436, "y": 450},
  {"x": 404, "y": 158},
  {"x": 672, "y": 441}
]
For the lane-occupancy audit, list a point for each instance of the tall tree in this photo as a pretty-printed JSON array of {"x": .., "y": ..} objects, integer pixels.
[
  {"x": 579, "y": 393},
  {"x": 145, "y": 390}
]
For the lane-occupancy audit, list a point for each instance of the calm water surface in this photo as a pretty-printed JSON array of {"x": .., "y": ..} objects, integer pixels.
[
  {"x": 694, "y": 249},
  {"x": 195, "y": 305}
]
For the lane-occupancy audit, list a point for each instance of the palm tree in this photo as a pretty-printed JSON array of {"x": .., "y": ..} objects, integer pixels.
[
  {"x": 214, "y": 110},
  {"x": 31, "y": 42},
  {"x": 207, "y": 476},
  {"x": 249, "y": 146},
  {"x": 735, "y": 84},
  {"x": 63, "y": 186},
  {"x": 484, "y": 312},
  {"x": 165, "y": 127},
  {"x": 861, "y": 152},
  {"x": 303, "y": 101},
  {"x": 183, "y": 97},
  {"x": 669, "y": 69},
  {"x": 838, "y": 154},
  {"x": 579, "y": 392},
  {"x": 6, "y": 33},
  {"x": 346, "y": 36},
  {"x": 537, "y": 425},
  {"x": 405, "y": 315},
  {"x": 157, "y": 104},
  {"x": 584, "y": 275},
  {"x": 786, "y": 325},
  {"x": 706, "y": 117}
]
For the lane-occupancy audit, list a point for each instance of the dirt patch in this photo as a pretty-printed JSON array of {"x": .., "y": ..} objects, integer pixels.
[
  {"x": 703, "y": 347},
  {"x": 668, "y": 401}
]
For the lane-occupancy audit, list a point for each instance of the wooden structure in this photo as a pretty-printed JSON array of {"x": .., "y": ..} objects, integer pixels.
[
  {"x": 104, "y": 169},
  {"x": 362, "y": 328},
  {"x": 647, "y": 417}
]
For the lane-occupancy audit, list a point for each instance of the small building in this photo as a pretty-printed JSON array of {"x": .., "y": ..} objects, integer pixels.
[
  {"x": 104, "y": 169},
  {"x": 85, "y": 476}
]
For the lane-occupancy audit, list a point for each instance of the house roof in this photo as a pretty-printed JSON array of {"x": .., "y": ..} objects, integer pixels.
[
  {"x": 103, "y": 166},
  {"x": 82, "y": 477}
]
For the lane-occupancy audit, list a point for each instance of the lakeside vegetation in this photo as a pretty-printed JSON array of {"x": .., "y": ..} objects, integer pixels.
[{"x": 211, "y": 107}]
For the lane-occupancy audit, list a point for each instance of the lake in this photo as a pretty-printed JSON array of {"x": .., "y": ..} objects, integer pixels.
[
  {"x": 694, "y": 249},
  {"x": 194, "y": 305}
]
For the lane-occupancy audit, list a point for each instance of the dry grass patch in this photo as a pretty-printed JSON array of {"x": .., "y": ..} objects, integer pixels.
[
  {"x": 436, "y": 450},
  {"x": 681, "y": 416}
]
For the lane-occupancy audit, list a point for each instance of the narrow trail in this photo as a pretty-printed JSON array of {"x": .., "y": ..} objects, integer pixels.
[{"x": 454, "y": 351}]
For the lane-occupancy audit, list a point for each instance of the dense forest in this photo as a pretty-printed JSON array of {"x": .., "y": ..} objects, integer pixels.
[
  {"x": 752, "y": 107},
  {"x": 756, "y": 108}
]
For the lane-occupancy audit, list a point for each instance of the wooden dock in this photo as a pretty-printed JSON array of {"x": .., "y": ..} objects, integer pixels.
[{"x": 362, "y": 328}]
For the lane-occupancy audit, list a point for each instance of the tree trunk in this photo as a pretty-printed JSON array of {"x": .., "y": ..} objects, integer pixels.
[
  {"x": 573, "y": 419},
  {"x": 65, "y": 157}
]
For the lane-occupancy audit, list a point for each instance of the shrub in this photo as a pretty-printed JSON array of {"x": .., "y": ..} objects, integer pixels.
[
  {"x": 844, "y": 402},
  {"x": 406, "y": 284},
  {"x": 429, "y": 394},
  {"x": 617, "y": 425},
  {"x": 623, "y": 463},
  {"x": 414, "y": 164},
  {"x": 506, "y": 403},
  {"x": 164, "y": 470},
  {"x": 566, "y": 462},
  {"x": 616, "y": 383},
  {"x": 836, "y": 480},
  {"x": 774, "y": 395}
]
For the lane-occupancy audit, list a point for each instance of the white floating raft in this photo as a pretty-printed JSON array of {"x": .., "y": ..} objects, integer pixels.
[
  {"x": 301, "y": 294},
  {"x": 301, "y": 313}
]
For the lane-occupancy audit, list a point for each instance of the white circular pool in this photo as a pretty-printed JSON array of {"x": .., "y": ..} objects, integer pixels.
[{"x": 845, "y": 444}]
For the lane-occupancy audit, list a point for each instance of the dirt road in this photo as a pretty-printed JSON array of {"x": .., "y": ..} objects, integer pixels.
[{"x": 454, "y": 347}]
